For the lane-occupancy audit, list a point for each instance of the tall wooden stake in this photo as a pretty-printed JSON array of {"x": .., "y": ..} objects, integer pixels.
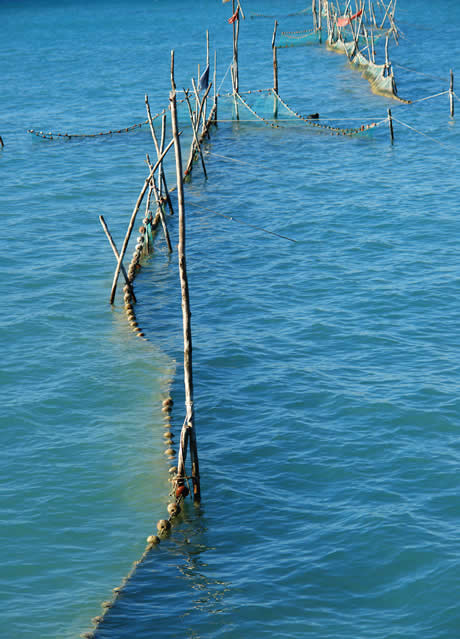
[
  {"x": 275, "y": 59},
  {"x": 132, "y": 220},
  {"x": 451, "y": 94},
  {"x": 390, "y": 124},
  {"x": 188, "y": 378},
  {"x": 115, "y": 252},
  {"x": 275, "y": 72}
]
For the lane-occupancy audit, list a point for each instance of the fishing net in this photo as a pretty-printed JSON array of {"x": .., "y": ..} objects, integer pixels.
[{"x": 298, "y": 38}]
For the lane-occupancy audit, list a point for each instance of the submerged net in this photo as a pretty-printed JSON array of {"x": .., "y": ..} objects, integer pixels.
[
  {"x": 298, "y": 38},
  {"x": 269, "y": 109}
]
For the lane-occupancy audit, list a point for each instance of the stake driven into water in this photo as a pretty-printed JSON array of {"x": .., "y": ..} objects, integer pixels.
[{"x": 188, "y": 427}]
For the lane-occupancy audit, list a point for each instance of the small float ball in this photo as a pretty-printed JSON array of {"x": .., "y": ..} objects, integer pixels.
[
  {"x": 173, "y": 469},
  {"x": 153, "y": 540},
  {"x": 182, "y": 491},
  {"x": 168, "y": 434},
  {"x": 173, "y": 509},
  {"x": 168, "y": 402},
  {"x": 163, "y": 526},
  {"x": 170, "y": 452}
]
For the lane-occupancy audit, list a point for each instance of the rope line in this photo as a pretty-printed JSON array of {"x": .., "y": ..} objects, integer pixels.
[
  {"x": 49, "y": 135},
  {"x": 274, "y": 126},
  {"x": 234, "y": 219},
  {"x": 223, "y": 79},
  {"x": 430, "y": 97},
  {"x": 424, "y": 134},
  {"x": 427, "y": 75},
  {"x": 314, "y": 123}
]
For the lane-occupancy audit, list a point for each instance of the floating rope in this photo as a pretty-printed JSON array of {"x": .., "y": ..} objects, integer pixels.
[
  {"x": 427, "y": 75},
  {"x": 51, "y": 136},
  {"x": 424, "y": 134},
  {"x": 331, "y": 129},
  {"x": 259, "y": 117},
  {"x": 234, "y": 219}
]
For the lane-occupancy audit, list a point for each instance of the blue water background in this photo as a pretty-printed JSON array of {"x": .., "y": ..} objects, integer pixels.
[{"x": 326, "y": 370}]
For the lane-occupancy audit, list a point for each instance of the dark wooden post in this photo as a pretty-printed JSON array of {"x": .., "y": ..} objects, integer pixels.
[
  {"x": 451, "y": 94},
  {"x": 390, "y": 124},
  {"x": 275, "y": 59}
]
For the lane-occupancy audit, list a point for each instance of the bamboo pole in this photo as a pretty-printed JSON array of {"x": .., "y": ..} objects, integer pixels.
[
  {"x": 387, "y": 62},
  {"x": 195, "y": 142},
  {"x": 390, "y": 124},
  {"x": 275, "y": 59},
  {"x": 451, "y": 94},
  {"x": 160, "y": 210},
  {"x": 159, "y": 150},
  {"x": 313, "y": 12},
  {"x": 320, "y": 21},
  {"x": 188, "y": 376},
  {"x": 133, "y": 219},
  {"x": 215, "y": 86},
  {"x": 115, "y": 251}
]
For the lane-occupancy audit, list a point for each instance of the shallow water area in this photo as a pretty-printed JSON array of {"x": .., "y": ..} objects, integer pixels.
[{"x": 325, "y": 369}]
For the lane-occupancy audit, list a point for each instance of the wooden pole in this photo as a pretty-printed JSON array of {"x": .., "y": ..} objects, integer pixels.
[
  {"x": 115, "y": 251},
  {"x": 320, "y": 20},
  {"x": 387, "y": 62},
  {"x": 195, "y": 142},
  {"x": 159, "y": 150},
  {"x": 133, "y": 219},
  {"x": 451, "y": 94},
  {"x": 275, "y": 59},
  {"x": 215, "y": 87},
  {"x": 313, "y": 12},
  {"x": 390, "y": 124},
  {"x": 188, "y": 377},
  {"x": 160, "y": 211},
  {"x": 275, "y": 71}
]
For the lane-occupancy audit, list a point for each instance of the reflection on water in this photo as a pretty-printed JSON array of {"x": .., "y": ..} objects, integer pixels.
[{"x": 168, "y": 589}]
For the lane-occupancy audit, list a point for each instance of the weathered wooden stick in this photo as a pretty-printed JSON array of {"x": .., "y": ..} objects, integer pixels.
[
  {"x": 451, "y": 94},
  {"x": 182, "y": 455},
  {"x": 159, "y": 150},
  {"x": 162, "y": 145},
  {"x": 195, "y": 136},
  {"x": 133, "y": 219},
  {"x": 215, "y": 86},
  {"x": 115, "y": 251},
  {"x": 386, "y": 13},
  {"x": 275, "y": 59},
  {"x": 196, "y": 122},
  {"x": 313, "y": 12},
  {"x": 162, "y": 217},
  {"x": 201, "y": 103},
  {"x": 390, "y": 124},
  {"x": 387, "y": 62},
  {"x": 320, "y": 20},
  {"x": 1, "y": 142},
  {"x": 160, "y": 210},
  {"x": 188, "y": 376}
]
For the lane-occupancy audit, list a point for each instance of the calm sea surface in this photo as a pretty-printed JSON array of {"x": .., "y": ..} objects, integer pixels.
[{"x": 326, "y": 370}]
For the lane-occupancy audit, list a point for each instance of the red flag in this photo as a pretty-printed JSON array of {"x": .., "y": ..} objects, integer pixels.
[
  {"x": 344, "y": 20},
  {"x": 234, "y": 16}
]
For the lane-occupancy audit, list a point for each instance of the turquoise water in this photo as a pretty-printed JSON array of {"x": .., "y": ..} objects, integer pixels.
[{"x": 326, "y": 370}]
